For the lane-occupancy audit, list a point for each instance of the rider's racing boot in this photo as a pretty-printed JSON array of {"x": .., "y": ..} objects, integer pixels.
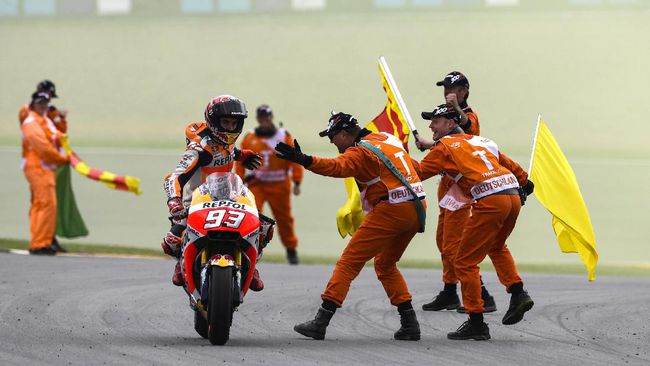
[
  {"x": 172, "y": 244},
  {"x": 316, "y": 328},
  {"x": 256, "y": 283},
  {"x": 177, "y": 277}
]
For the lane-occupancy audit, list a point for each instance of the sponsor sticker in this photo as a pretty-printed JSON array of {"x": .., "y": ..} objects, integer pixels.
[
  {"x": 223, "y": 203},
  {"x": 494, "y": 185},
  {"x": 402, "y": 194},
  {"x": 222, "y": 161}
]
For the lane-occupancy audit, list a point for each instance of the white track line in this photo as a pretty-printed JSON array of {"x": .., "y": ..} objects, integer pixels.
[{"x": 87, "y": 255}]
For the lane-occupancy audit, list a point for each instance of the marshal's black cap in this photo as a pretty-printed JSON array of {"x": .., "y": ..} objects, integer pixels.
[
  {"x": 454, "y": 78},
  {"x": 443, "y": 110},
  {"x": 264, "y": 110},
  {"x": 338, "y": 122},
  {"x": 38, "y": 97}
]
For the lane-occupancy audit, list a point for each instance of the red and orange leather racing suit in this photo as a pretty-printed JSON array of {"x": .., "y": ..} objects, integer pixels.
[
  {"x": 491, "y": 178},
  {"x": 271, "y": 182},
  {"x": 202, "y": 156},
  {"x": 392, "y": 219}
]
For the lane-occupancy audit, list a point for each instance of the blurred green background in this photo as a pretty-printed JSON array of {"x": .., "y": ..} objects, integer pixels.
[{"x": 132, "y": 83}]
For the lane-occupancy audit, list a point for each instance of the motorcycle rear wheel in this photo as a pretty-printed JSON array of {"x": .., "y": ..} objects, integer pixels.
[
  {"x": 220, "y": 305},
  {"x": 200, "y": 324}
]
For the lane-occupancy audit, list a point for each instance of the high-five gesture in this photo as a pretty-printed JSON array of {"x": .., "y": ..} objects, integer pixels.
[{"x": 293, "y": 153}]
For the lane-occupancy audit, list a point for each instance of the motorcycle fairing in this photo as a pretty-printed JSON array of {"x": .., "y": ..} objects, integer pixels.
[{"x": 248, "y": 227}]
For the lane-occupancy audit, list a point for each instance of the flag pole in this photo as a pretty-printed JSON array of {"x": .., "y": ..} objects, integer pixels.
[
  {"x": 398, "y": 96},
  {"x": 532, "y": 153}
]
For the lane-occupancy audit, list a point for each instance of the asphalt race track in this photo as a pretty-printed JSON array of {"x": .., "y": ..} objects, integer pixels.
[{"x": 94, "y": 311}]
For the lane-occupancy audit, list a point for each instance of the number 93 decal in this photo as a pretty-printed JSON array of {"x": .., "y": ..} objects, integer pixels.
[{"x": 217, "y": 218}]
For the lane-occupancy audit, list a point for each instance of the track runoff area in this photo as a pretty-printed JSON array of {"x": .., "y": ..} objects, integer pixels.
[{"x": 125, "y": 311}]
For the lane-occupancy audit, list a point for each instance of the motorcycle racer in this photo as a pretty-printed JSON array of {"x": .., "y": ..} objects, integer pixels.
[
  {"x": 230, "y": 187},
  {"x": 210, "y": 150}
]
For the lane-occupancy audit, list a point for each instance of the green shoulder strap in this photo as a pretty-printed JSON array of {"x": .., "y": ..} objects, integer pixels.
[{"x": 419, "y": 207}]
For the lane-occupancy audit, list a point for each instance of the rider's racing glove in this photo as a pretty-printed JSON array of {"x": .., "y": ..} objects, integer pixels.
[
  {"x": 249, "y": 158},
  {"x": 176, "y": 209}
]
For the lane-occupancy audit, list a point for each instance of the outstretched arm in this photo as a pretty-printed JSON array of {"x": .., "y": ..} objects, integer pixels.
[
  {"x": 352, "y": 163},
  {"x": 349, "y": 164},
  {"x": 433, "y": 163}
]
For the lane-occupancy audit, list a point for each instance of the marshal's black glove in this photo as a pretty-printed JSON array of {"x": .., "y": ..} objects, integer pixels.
[
  {"x": 526, "y": 191},
  {"x": 294, "y": 154},
  {"x": 529, "y": 188}
]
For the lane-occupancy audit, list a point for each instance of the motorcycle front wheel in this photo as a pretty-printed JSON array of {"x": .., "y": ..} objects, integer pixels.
[
  {"x": 220, "y": 305},
  {"x": 200, "y": 324}
]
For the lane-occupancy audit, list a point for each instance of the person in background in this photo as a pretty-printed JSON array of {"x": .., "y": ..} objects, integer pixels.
[
  {"x": 453, "y": 214},
  {"x": 271, "y": 182},
  {"x": 58, "y": 117},
  {"x": 41, "y": 156}
]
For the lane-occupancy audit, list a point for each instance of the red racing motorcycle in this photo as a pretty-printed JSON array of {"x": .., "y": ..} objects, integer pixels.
[{"x": 224, "y": 237}]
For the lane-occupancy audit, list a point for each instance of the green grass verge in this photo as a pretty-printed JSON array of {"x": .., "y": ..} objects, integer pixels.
[
  {"x": 83, "y": 248},
  {"x": 104, "y": 249}
]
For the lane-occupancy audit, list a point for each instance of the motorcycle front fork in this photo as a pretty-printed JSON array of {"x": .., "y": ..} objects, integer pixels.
[{"x": 238, "y": 297}]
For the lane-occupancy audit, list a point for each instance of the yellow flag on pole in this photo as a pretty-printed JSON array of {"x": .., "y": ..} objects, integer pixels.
[
  {"x": 556, "y": 187},
  {"x": 392, "y": 120}
]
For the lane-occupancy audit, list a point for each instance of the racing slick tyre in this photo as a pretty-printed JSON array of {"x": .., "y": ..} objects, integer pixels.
[
  {"x": 220, "y": 305},
  {"x": 200, "y": 324}
]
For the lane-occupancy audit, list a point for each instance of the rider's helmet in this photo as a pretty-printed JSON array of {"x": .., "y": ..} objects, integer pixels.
[
  {"x": 225, "y": 106},
  {"x": 225, "y": 186}
]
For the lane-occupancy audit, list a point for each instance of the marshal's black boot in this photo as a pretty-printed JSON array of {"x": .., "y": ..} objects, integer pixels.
[
  {"x": 410, "y": 329},
  {"x": 520, "y": 303},
  {"x": 473, "y": 328},
  {"x": 447, "y": 299},
  {"x": 316, "y": 328}
]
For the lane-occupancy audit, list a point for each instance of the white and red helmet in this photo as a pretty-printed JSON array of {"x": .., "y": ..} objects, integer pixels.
[{"x": 225, "y": 106}]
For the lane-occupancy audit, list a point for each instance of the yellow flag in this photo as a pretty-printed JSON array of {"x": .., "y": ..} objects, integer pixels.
[
  {"x": 557, "y": 189},
  {"x": 350, "y": 215},
  {"x": 391, "y": 120}
]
